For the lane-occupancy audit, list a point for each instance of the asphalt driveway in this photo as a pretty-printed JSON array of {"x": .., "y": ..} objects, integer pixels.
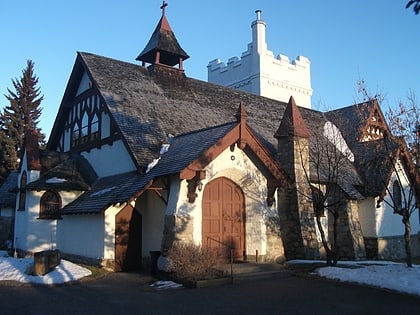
[{"x": 130, "y": 293}]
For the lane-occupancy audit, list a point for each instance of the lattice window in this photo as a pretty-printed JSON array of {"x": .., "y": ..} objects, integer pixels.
[{"x": 86, "y": 125}]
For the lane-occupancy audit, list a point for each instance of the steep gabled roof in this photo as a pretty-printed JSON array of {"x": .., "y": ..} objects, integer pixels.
[
  {"x": 148, "y": 108},
  {"x": 354, "y": 120}
]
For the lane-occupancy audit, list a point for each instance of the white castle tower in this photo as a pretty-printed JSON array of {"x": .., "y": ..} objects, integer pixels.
[{"x": 259, "y": 72}]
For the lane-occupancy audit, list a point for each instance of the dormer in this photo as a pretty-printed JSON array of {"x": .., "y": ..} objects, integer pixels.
[
  {"x": 163, "y": 47},
  {"x": 375, "y": 126}
]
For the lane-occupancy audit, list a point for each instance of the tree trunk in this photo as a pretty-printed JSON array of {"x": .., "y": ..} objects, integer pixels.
[
  {"x": 407, "y": 239},
  {"x": 328, "y": 251},
  {"x": 334, "y": 245}
]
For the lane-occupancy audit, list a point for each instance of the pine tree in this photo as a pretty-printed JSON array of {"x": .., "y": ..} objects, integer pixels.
[{"x": 21, "y": 115}]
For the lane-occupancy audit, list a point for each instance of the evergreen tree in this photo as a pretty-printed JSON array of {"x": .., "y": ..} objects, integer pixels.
[{"x": 21, "y": 115}]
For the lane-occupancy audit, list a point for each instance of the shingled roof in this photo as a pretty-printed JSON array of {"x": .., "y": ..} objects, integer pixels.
[
  {"x": 372, "y": 158},
  {"x": 63, "y": 171},
  {"x": 182, "y": 150},
  {"x": 148, "y": 107},
  {"x": 349, "y": 179}
]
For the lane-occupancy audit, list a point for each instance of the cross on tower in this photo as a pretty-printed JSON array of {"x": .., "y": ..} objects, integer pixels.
[{"x": 164, "y": 5}]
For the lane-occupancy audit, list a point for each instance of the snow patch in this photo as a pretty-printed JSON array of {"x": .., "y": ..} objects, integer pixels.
[
  {"x": 103, "y": 191},
  {"x": 164, "y": 285},
  {"x": 16, "y": 269},
  {"x": 55, "y": 180},
  {"x": 152, "y": 164}
]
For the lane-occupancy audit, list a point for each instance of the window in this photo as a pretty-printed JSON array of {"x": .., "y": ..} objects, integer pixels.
[
  {"x": 22, "y": 192},
  {"x": 85, "y": 126},
  {"x": 396, "y": 195},
  {"x": 94, "y": 127},
  {"x": 85, "y": 122},
  {"x": 50, "y": 205}
]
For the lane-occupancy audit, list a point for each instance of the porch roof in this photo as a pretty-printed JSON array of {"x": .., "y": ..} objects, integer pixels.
[{"x": 112, "y": 190}]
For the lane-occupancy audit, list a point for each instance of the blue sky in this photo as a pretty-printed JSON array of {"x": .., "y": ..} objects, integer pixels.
[{"x": 346, "y": 41}]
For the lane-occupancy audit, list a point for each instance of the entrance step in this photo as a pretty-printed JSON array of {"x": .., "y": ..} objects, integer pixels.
[{"x": 254, "y": 271}]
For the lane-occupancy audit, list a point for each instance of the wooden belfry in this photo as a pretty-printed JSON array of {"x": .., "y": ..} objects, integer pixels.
[{"x": 163, "y": 47}]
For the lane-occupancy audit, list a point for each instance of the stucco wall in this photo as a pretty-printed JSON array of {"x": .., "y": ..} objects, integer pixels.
[
  {"x": 389, "y": 223},
  {"x": 110, "y": 159},
  {"x": 82, "y": 235},
  {"x": 152, "y": 210},
  {"x": 31, "y": 233}
]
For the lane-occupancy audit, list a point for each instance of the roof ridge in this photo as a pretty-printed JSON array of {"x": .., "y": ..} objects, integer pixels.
[{"x": 205, "y": 129}]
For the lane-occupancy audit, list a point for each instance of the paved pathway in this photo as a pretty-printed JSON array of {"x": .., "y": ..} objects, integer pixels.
[{"x": 122, "y": 293}]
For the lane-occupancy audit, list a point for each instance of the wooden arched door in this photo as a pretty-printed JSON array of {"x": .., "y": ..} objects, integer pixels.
[
  {"x": 128, "y": 240},
  {"x": 223, "y": 222}
]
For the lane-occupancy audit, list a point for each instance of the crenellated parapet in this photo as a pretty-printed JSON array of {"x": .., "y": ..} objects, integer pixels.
[{"x": 260, "y": 72}]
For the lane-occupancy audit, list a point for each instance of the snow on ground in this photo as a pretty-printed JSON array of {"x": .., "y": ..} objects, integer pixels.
[
  {"x": 17, "y": 269},
  {"x": 381, "y": 274}
]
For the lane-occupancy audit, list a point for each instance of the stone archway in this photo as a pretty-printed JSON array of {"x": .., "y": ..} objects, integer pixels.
[{"x": 223, "y": 218}]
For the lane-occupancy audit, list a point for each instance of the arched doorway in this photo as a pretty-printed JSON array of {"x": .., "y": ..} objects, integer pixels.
[{"x": 223, "y": 221}]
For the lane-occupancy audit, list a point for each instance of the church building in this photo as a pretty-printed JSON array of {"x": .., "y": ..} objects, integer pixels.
[{"x": 141, "y": 156}]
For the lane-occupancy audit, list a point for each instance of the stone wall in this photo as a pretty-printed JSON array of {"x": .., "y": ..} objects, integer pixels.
[
  {"x": 350, "y": 238},
  {"x": 391, "y": 247},
  {"x": 275, "y": 250}
]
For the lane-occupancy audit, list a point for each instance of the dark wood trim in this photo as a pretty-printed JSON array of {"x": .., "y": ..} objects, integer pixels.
[
  {"x": 210, "y": 154},
  {"x": 97, "y": 143},
  {"x": 247, "y": 139}
]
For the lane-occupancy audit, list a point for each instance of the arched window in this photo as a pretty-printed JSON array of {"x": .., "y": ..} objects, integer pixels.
[
  {"x": 22, "y": 192},
  {"x": 396, "y": 195},
  {"x": 50, "y": 205}
]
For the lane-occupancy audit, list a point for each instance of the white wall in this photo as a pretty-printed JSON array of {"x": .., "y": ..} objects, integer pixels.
[
  {"x": 382, "y": 221},
  {"x": 82, "y": 235},
  {"x": 31, "y": 233},
  {"x": 110, "y": 159},
  {"x": 152, "y": 209},
  {"x": 389, "y": 223}
]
